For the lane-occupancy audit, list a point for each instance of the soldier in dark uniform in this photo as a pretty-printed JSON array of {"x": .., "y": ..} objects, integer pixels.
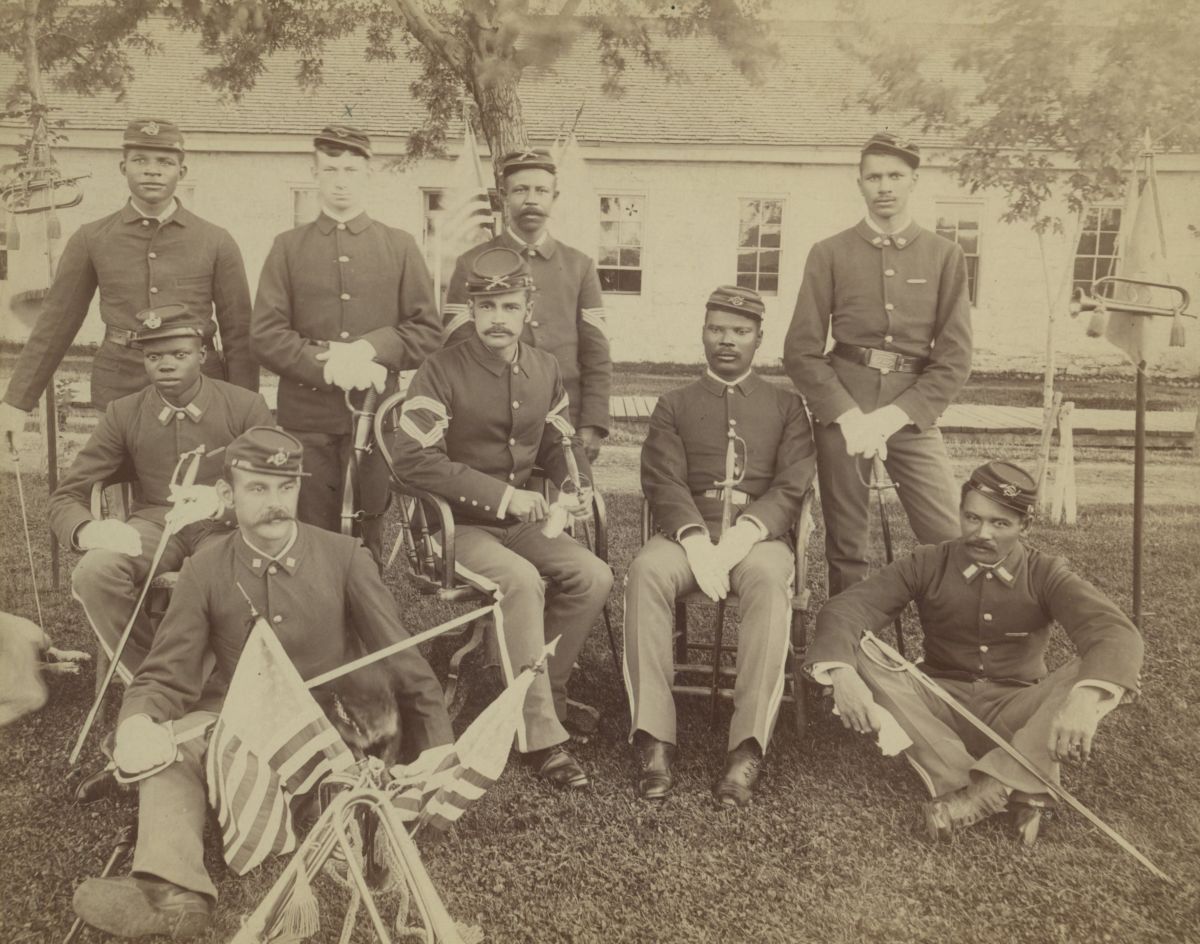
[
  {"x": 343, "y": 303},
  {"x": 896, "y": 295},
  {"x": 478, "y": 416},
  {"x": 321, "y": 594},
  {"x": 569, "y": 322},
  {"x": 683, "y": 462},
  {"x": 147, "y": 432},
  {"x": 987, "y": 603},
  {"x": 152, "y": 252}
]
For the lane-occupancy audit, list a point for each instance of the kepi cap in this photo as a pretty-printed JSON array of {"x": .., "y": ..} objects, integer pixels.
[
  {"x": 530, "y": 159},
  {"x": 1006, "y": 484},
  {"x": 154, "y": 134},
  {"x": 498, "y": 270},
  {"x": 884, "y": 142},
  {"x": 344, "y": 136},
  {"x": 266, "y": 450},
  {"x": 169, "y": 321},
  {"x": 740, "y": 301}
]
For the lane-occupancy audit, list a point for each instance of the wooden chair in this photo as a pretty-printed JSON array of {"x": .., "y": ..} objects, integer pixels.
[
  {"x": 427, "y": 539},
  {"x": 712, "y": 670}
]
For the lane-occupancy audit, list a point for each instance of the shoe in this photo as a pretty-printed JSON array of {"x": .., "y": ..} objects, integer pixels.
[
  {"x": 983, "y": 797},
  {"x": 138, "y": 907},
  {"x": 557, "y": 766},
  {"x": 1026, "y": 810},
  {"x": 736, "y": 785},
  {"x": 655, "y": 760},
  {"x": 101, "y": 784}
]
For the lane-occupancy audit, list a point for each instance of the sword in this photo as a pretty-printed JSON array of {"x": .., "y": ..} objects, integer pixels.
[
  {"x": 16, "y": 457},
  {"x": 189, "y": 478},
  {"x": 902, "y": 664}
]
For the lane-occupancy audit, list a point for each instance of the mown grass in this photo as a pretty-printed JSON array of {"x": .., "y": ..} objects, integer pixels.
[{"x": 829, "y": 852}]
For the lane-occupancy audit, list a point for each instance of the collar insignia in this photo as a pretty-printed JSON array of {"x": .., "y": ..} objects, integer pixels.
[
  {"x": 280, "y": 458},
  {"x": 153, "y": 322},
  {"x": 150, "y": 128}
]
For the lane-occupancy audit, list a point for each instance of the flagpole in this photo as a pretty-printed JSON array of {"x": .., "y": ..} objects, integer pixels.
[{"x": 1139, "y": 487}]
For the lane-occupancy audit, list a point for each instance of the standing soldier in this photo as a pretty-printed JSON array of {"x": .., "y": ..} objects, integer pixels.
[
  {"x": 478, "y": 416},
  {"x": 151, "y": 252},
  {"x": 683, "y": 464},
  {"x": 570, "y": 311},
  {"x": 343, "y": 302},
  {"x": 896, "y": 295}
]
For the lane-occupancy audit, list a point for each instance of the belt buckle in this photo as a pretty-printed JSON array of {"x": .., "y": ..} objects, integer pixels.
[{"x": 882, "y": 360}]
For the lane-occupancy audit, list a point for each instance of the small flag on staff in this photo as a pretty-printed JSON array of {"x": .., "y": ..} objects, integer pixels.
[
  {"x": 271, "y": 744},
  {"x": 465, "y": 221}
]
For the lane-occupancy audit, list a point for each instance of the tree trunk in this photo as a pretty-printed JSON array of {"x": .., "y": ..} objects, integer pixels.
[{"x": 494, "y": 79}]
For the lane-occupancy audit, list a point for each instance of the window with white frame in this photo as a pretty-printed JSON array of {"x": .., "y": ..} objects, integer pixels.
[
  {"x": 305, "y": 207},
  {"x": 959, "y": 221},
  {"x": 1097, "y": 253},
  {"x": 760, "y": 234},
  {"x": 621, "y": 235}
]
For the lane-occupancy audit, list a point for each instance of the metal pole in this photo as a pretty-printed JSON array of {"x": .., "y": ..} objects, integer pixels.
[
  {"x": 52, "y": 470},
  {"x": 1139, "y": 488}
]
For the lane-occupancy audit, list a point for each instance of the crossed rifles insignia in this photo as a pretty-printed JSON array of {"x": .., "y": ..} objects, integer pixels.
[
  {"x": 151, "y": 128},
  {"x": 1010, "y": 491},
  {"x": 280, "y": 458},
  {"x": 153, "y": 322},
  {"x": 737, "y": 301}
]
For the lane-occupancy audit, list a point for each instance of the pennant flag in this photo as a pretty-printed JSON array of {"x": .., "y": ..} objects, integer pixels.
[
  {"x": 438, "y": 787},
  {"x": 465, "y": 221},
  {"x": 1143, "y": 256},
  {"x": 271, "y": 744},
  {"x": 575, "y": 219}
]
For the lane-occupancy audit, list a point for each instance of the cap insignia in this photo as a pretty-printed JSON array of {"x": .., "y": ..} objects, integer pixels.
[
  {"x": 737, "y": 301},
  {"x": 153, "y": 322},
  {"x": 1010, "y": 491},
  {"x": 150, "y": 128},
  {"x": 280, "y": 458}
]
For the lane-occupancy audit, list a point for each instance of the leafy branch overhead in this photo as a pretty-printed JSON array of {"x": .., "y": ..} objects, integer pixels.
[{"x": 1025, "y": 79}]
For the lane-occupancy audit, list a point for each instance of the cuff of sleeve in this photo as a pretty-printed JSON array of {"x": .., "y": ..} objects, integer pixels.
[
  {"x": 1116, "y": 691},
  {"x": 763, "y": 533},
  {"x": 502, "y": 509},
  {"x": 916, "y": 408},
  {"x": 820, "y": 671},
  {"x": 74, "y": 542},
  {"x": 684, "y": 531}
]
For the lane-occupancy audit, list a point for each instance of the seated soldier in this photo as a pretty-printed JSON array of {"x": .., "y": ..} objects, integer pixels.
[
  {"x": 986, "y": 603},
  {"x": 683, "y": 465},
  {"x": 322, "y": 594},
  {"x": 146, "y": 433},
  {"x": 479, "y": 415}
]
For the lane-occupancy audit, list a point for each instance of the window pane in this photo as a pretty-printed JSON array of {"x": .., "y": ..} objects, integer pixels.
[
  {"x": 1087, "y": 244},
  {"x": 609, "y": 256},
  {"x": 747, "y": 280},
  {"x": 608, "y": 207},
  {"x": 433, "y": 200},
  {"x": 630, "y": 280},
  {"x": 631, "y": 257},
  {"x": 969, "y": 243},
  {"x": 1110, "y": 219},
  {"x": 1107, "y": 245},
  {"x": 772, "y": 211},
  {"x": 973, "y": 277},
  {"x": 608, "y": 234},
  {"x": 1083, "y": 270},
  {"x": 747, "y": 261},
  {"x": 608, "y": 280},
  {"x": 768, "y": 260},
  {"x": 770, "y": 235},
  {"x": 945, "y": 228},
  {"x": 748, "y": 236},
  {"x": 631, "y": 233},
  {"x": 768, "y": 284},
  {"x": 304, "y": 206}
]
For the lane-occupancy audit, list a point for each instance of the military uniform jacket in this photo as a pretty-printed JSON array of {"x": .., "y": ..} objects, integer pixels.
[
  {"x": 905, "y": 293},
  {"x": 568, "y": 319},
  {"x": 137, "y": 263},
  {"x": 684, "y": 453},
  {"x": 325, "y": 588},
  {"x": 985, "y": 623},
  {"x": 330, "y": 281},
  {"x": 473, "y": 427},
  {"x": 145, "y": 434}
]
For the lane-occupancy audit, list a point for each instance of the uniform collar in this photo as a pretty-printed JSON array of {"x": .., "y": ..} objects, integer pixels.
[
  {"x": 327, "y": 224},
  {"x": 901, "y": 240},
  {"x": 544, "y": 246},
  {"x": 746, "y": 385},
  {"x": 257, "y": 560},
  {"x": 178, "y": 214},
  {"x": 1005, "y": 571},
  {"x": 490, "y": 362},
  {"x": 193, "y": 410}
]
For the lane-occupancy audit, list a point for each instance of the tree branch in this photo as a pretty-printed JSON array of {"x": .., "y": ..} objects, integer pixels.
[{"x": 431, "y": 36}]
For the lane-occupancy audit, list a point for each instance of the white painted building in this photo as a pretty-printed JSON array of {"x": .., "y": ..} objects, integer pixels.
[{"x": 705, "y": 182}]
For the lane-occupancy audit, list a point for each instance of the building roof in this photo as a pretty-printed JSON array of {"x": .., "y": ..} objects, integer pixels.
[{"x": 809, "y": 99}]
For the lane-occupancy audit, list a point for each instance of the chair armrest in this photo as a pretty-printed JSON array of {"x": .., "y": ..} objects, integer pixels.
[
  {"x": 803, "y": 534},
  {"x": 99, "y": 507},
  {"x": 600, "y": 514},
  {"x": 647, "y": 520}
]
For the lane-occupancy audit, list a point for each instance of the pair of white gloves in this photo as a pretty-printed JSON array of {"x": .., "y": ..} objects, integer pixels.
[
  {"x": 352, "y": 366},
  {"x": 866, "y": 434},
  {"x": 711, "y": 563},
  {"x": 189, "y": 503}
]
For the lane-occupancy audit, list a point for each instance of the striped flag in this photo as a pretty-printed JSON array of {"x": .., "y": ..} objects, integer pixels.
[
  {"x": 466, "y": 220},
  {"x": 438, "y": 787},
  {"x": 271, "y": 744}
]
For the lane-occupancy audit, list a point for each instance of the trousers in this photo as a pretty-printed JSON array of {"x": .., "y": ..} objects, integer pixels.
[
  {"x": 917, "y": 462},
  {"x": 548, "y": 587},
  {"x": 763, "y": 583}
]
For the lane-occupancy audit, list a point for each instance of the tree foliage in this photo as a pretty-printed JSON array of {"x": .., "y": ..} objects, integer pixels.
[{"x": 1037, "y": 80}]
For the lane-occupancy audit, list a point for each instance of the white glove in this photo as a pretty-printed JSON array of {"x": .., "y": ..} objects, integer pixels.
[
  {"x": 735, "y": 544},
  {"x": 142, "y": 745},
  {"x": 191, "y": 503},
  {"x": 109, "y": 535},
  {"x": 856, "y": 432},
  {"x": 352, "y": 366},
  {"x": 880, "y": 426},
  {"x": 711, "y": 575},
  {"x": 12, "y": 427}
]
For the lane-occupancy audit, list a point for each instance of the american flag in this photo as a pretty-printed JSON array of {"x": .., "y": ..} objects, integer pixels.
[{"x": 271, "y": 744}]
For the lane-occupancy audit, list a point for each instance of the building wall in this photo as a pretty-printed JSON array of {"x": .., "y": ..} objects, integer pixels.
[{"x": 690, "y": 228}]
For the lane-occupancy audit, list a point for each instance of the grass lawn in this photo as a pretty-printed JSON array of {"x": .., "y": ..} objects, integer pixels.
[{"x": 830, "y": 851}]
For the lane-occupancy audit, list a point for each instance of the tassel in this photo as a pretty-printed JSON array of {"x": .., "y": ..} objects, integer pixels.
[
  {"x": 53, "y": 226},
  {"x": 302, "y": 917},
  {"x": 14, "y": 235},
  {"x": 1098, "y": 323},
  {"x": 1178, "y": 335}
]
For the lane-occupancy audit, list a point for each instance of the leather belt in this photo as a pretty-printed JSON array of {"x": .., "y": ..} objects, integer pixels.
[
  {"x": 880, "y": 360},
  {"x": 121, "y": 336},
  {"x": 739, "y": 498}
]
